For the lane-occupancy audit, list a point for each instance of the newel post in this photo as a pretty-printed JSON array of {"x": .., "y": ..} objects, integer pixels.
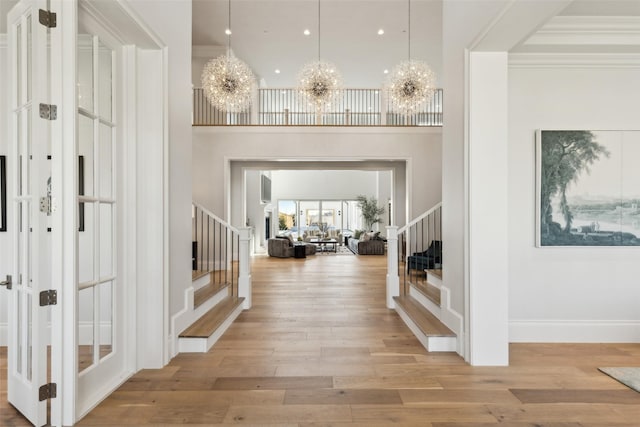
[
  {"x": 244, "y": 279},
  {"x": 393, "y": 282}
]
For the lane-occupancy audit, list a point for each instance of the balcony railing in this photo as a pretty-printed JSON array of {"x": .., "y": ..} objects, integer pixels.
[{"x": 287, "y": 107}]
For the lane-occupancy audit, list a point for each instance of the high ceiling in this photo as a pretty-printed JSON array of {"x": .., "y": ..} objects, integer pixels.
[{"x": 268, "y": 35}]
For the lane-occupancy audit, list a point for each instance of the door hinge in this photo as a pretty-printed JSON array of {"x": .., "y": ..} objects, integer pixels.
[
  {"x": 8, "y": 283},
  {"x": 47, "y": 391},
  {"x": 48, "y": 111},
  {"x": 47, "y": 205},
  {"x": 47, "y": 18},
  {"x": 49, "y": 297}
]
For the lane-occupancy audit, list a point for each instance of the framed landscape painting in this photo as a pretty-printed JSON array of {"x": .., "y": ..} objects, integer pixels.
[{"x": 588, "y": 188}]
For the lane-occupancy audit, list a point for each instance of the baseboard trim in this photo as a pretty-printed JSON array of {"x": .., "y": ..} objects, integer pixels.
[{"x": 574, "y": 331}]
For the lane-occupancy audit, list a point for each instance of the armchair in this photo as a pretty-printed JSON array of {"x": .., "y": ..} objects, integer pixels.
[{"x": 427, "y": 259}]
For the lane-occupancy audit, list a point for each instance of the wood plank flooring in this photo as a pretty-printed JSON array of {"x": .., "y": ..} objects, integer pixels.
[{"x": 320, "y": 348}]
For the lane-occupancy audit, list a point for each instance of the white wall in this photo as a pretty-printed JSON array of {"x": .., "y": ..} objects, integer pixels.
[
  {"x": 214, "y": 148},
  {"x": 567, "y": 294},
  {"x": 322, "y": 184},
  {"x": 200, "y": 56}
]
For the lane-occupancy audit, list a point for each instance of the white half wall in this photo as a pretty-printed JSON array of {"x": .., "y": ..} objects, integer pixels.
[
  {"x": 567, "y": 294},
  {"x": 215, "y": 147}
]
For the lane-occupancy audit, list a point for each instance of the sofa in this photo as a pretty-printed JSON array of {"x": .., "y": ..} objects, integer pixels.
[
  {"x": 283, "y": 247},
  {"x": 317, "y": 234},
  {"x": 368, "y": 243},
  {"x": 427, "y": 259}
]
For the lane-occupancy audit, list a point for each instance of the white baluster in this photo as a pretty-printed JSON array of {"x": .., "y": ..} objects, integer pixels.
[
  {"x": 244, "y": 279},
  {"x": 393, "y": 282}
]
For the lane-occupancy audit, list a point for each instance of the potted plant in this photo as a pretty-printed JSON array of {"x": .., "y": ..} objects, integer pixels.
[{"x": 370, "y": 210}]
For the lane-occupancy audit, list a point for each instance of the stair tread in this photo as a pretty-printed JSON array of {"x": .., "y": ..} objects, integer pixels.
[
  {"x": 196, "y": 274},
  {"x": 211, "y": 320},
  {"x": 426, "y": 322},
  {"x": 201, "y": 295},
  {"x": 436, "y": 272},
  {"x": 428, "y": 290}
]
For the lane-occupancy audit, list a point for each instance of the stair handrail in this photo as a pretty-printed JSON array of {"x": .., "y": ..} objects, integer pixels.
[
  {"x": 216, "y": 217},
  {"x": 420, "y": 218}
]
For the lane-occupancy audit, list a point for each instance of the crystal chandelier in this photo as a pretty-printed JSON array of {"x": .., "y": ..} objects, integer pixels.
[
  {"x": 228, "y": 82},
  {"x": 320, "y": 82},
  {"x": 411, "y": 83}
]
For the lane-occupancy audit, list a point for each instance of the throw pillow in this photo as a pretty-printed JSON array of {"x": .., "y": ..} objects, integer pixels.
[
  {"x": 357, "y": 234},
  {"x": 365, "y": 237}
]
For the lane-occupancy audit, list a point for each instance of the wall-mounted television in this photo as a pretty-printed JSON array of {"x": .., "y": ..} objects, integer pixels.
[{"x": 265, "y": 189}]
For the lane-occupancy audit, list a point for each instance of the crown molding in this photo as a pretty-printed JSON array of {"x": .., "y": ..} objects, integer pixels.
[
  {"x": 574, "y": 60},
  {"x": 588, "y": 30}
]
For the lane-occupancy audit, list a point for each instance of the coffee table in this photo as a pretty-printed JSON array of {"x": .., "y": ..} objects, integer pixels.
[{"x": 325, "y": 245}]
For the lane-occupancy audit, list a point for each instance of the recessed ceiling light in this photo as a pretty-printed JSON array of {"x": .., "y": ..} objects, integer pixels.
[
  {"x": 306, "y": 32},
  {"x": 380, "y": 32},
  {"x": 386, "y": 71},
  {"x": 227, "y": 32},
  {"x": 277, "y": 71}
]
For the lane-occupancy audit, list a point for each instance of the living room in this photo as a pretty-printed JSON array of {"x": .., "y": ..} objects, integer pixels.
[{"x": 309, "y": 199}]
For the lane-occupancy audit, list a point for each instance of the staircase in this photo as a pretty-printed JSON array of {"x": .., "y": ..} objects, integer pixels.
[
  {"x": 221, "y": 283},
  {"x": 420, "y": 310},
  {"x": 415, "y": 280},
  {"x": 215, "y": 309}
]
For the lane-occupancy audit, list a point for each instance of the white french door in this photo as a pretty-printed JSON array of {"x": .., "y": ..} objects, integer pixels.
[
  {"x": 31, "y": 157},
  {"x": 100, "y": 292}
]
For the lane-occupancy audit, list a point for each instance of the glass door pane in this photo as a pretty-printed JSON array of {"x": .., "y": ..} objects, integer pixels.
[
  {"x": 331, "y": 219},
  {"x": 309, "y": 218},
  {"x": 287, "y": 218}
]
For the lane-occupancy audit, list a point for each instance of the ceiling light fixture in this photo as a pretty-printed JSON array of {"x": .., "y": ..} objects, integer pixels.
[
  {"x": 386, "y": 71},
  {"x": 306, "y": 32},
  {"x": 277, "y": 71},
  {"x": 380, "y": 32},
  {"x": 318, "y": 81},
  {"x": 411, "y": 83},
  {"x": 228, "y": 82}
]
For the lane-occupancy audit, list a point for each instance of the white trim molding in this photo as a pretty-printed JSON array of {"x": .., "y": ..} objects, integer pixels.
[
  {"x": 588, "y": 30},
  {"x": 574, "y": 60},
  {"x": 574, "y": 331}
]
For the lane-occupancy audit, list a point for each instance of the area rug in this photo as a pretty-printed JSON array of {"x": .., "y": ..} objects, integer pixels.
[
  {"x": 340, "y": 250},
  {"x": 627, "y": 376}
]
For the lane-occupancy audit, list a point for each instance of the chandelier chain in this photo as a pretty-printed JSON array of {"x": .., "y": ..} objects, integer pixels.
[
  {"x": 409, "y": 31},
  {"x": 229, "y": 24},
  {"x": 318, "y": 30}
]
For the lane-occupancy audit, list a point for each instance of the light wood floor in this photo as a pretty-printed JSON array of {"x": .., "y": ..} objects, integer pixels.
[{"x": 319, "y": 348}]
